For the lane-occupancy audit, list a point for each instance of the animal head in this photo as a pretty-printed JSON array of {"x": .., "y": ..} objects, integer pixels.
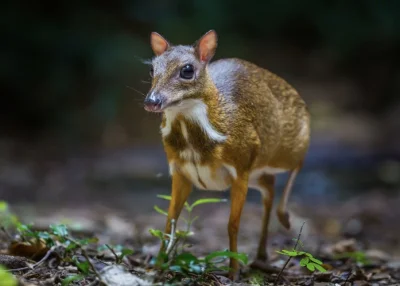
[{"x": 178, "y": 72}]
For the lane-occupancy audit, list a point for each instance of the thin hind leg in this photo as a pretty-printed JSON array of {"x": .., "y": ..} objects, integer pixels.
[
  {"x": 265, "y": 184},
  {"x": 282, "y": 212}
]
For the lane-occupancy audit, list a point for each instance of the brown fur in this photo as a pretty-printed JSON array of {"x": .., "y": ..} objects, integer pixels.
[{"x": 265, "y": 121}]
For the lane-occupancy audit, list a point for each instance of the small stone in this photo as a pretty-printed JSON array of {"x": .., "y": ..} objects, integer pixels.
[
  {"x": 117, "y": 275},
  {"x": 323, "y": 276},
  {"x": 345, "y": 275},
  {"x": 394, "y": 265},
  {"x": 360, "y": 283},
  {"x": 395, "y": 275},
  {"x": 380, "y": 276},
  {"x": 336, "y": 280},
  {"x": 375, "y": 254},
  {"x": 224, "y": 280},
  {"x": 308, "y": 282}
]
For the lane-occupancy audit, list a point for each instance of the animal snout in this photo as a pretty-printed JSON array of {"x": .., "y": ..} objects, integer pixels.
[{"x": 153, "y": 103}]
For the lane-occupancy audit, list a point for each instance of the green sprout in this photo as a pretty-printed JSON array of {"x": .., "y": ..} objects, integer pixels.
[
  {"x": 176, "y": 259},
  {"x": 307, "y": 259}
]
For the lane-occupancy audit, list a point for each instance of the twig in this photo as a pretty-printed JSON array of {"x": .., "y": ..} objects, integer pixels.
[
  {"x": 213, "y": 276},
  {"x": 93, "y": 282},
  {"x": 113, "y": 252},
  {"x": 290, "y": 257},
  {"x": 174, "y": 249},
  {"x": 348, "y": 277},
  {"x": 84, "y": 253},
  {"x": 172, "y": 240},
  {"x": 37, "y": 263}
]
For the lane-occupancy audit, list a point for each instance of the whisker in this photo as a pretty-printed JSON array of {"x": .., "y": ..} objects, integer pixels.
[
  {"x": 135, "y": 90},
  {"x": 144, "y": 61},
  {"x": 145, "y": 81}
]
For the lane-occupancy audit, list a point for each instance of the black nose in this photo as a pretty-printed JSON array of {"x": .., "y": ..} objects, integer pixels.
[{"x": 152, "y": 103}]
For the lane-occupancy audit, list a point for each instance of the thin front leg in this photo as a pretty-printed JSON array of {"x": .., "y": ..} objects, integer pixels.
[
  {"x": 181, "y": 188},
  {"x": 238, "y": 198},
  {"x": 266, "y": 186}
]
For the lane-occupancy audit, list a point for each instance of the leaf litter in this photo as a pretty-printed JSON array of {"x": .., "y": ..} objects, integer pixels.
[{"x": 115, "y": 250}]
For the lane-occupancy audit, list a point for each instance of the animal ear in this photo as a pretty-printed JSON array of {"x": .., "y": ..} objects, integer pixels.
[
  {"x": 158, "y": 43},
  {"x": 206, "y": 46}
]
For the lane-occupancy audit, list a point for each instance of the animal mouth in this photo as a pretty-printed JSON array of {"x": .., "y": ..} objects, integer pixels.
[
  {"x": 153, "y": 108},
  {"x": 163, "y": 106}
]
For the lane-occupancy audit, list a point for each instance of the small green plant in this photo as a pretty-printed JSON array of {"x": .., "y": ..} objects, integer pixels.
[
  {"x": 7, "y": 219},
  {"x": 6, "y": 278},
  {"x": 176, "y": 258},
  {"x": 257, "y": 279},
  {"x": 358, "y": 256},
  {"x": 56, "y": 239},
  {"x": 118, "y": 250},
  {"x": 306, "y": 259}
]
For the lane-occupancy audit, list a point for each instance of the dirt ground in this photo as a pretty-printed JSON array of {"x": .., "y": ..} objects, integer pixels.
[{"x": 366, "y": 224}]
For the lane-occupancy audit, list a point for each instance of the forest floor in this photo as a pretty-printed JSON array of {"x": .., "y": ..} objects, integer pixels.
[{"x": 358, "y": 242}]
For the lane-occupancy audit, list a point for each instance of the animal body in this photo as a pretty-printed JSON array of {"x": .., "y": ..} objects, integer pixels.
[{"x": 226, "y": 124}]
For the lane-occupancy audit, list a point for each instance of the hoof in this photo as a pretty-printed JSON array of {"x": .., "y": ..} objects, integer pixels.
[{"x": 284, "y": 219}]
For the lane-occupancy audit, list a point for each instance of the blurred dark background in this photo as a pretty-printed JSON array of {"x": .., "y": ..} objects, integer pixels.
[{"x": 72, "y": 122}]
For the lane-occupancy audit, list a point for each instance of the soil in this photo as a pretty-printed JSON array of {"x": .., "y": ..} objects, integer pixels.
[{"x": 366, "y": 224}]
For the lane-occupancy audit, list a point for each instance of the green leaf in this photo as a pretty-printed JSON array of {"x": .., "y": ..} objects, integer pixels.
[
  {"x": 71, "y": 246},
  {"x": 88, "y": 240},
  {"x": 196, "y": 268},
  {"x": 83, "y": 266},
  {"x": 304, "y": 261},
  {"x": 126, "y": 251},
  {"x": 160, "y": 211},
  {"x": 24, "y": 229},
  {"x": 165, "y": 197},
  {"x": 288, "y": 253},
  {"x": 316, "y": 261},
  {"x": 59, "y": 230},
  {"x": 6, "y": 278},
  {"x": 298, "y": 241},
  {"x": 181, "y": 233},
  {"x": 238, "y": 256},
  {"x": 187, "y": 206},
  {"x": 185, "y": 259},
  {"x": 102, "y": 247},
  {"x": 320, "y": 268},
  {"x": 3, "y": 206},
  {"x": 311, "y": 266},
  {"x": 161, "y": 258},
  {"x": 67, "y": 280},
  {"x": 157, "y": 233},
  {"x": 44, "y": 235},
  {"x": 176, "y": 268},
  {"x": 207, "y": 201}
]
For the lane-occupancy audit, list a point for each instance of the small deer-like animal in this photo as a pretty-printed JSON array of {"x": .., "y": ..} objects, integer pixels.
[{"x": 225, "y": 124}]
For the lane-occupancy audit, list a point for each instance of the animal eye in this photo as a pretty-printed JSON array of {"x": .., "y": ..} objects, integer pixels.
[
  {"x": 187, "y": 72},
  {"x": 151, "y": 71}
]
